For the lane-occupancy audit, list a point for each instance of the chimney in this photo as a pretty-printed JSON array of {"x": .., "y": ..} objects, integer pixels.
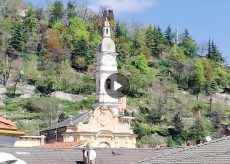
[
  {"x": 86, "y": 156},
  {"x": 83, "y": 155},
  {"x": 42, "y": 141}
]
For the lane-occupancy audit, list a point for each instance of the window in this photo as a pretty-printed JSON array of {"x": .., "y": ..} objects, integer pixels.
[
  {"x": 107, "y": 31},
  {"x": 108, "y": 84}
]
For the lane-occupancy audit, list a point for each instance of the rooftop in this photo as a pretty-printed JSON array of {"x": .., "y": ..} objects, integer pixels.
[
  {"x": 216, "y": 151},
  {"x": 43, "y": 155},
  {"x": 82, "y": 117},
  {"x": 7, "y": 124},
  {"x": 63, "y": 144}
]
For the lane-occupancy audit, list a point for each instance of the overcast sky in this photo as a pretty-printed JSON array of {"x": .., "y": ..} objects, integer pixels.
[{"x": 203, "y": 18}]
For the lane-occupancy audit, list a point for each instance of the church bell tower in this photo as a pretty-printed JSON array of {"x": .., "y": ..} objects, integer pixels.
[
  {"x": 106, "y": 125},
  {"x": 106, "y": 65}
]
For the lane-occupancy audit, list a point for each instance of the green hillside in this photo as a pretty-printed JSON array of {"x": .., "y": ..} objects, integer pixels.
[{"x": 169, "y": 73}]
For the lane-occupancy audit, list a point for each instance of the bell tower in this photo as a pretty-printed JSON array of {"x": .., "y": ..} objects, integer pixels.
[
  {"x": 106, "y": 126},
  {"x": 106, "y": 65}
]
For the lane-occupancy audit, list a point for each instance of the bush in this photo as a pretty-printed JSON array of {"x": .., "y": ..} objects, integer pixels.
[
  {"x": 13, "y": 104},
  {"x": 149, "y": 141},
  {"x": 44, "y": 87},
  {"x": 170, "y": 142},
  {"x": 11, "y": 93},
  {"x": 200, "y": 105}
]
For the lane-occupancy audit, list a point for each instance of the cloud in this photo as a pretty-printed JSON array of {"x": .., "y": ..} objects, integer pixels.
[{"x": 123, "y": 5}]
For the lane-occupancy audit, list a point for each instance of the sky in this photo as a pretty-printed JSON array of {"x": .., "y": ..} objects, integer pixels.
[{"x": 203, "y": 18}]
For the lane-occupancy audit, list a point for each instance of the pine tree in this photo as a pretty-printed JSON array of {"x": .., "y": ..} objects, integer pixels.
[
  {"x": 177, "y": 122},
  {"x": 213, "y": 53},
  {"x": 40, "y": 46},
  {"x": 30, "y": 21},
  {"x": 169, "y": 36},
  {"x": 18, "y": 39},
  {"x": 56, "y": 13},
  {"x": 120, "y": 30},
  {"x": 71, "y": 13},
  {"x": 154, "y": 38},
  {"x": 189, "y": 46},
  {"x": 123, "y": 44},
  {"x": 79, "y": 54}
]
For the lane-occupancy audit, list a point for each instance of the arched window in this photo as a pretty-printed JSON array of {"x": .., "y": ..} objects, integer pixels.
[
  {"x": 108, "y": 84},
  {"x": 107, "y": 31},
  {"x": 103, "y": 144}
]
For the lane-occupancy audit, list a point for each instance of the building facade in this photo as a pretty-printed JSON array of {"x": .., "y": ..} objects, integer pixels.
[
  {"x": 105, "y": 125},
  {"x": 8, "y": 132}
]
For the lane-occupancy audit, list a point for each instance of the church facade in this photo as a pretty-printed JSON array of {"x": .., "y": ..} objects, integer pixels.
[{"x": 105, "y": 125}]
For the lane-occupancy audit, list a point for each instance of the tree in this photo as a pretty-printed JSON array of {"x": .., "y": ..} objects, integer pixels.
[
  {"x": 213, "y": 53},
  {"x": 178, "y": 133},
  {"x": 52, "y": 50},
  {"x": 197, "y": 131},
  {"x": 56, "y": 13},
  {"x": 30, "y": 21},
  {"x": 18, "y": 38},
  {"x": 216, "y": 114},
  {"x": 154, "y": 38},
  {"x": 210, "y": 84},
  {"x": 79, "y": 54},
  {"x": 177, "y": 122},
  {"x": 40, "y": 46},
  {"x": 71, "y": 7},
  {"x": 120, "y": 30},
  {"x": 77, "y": 29},
  {"x": 169, "y": 36},
  {"x": 197, "y": 82},
  {"x": 141, "y": 63},
  {"x": 189, "y": 46},
  {"x": 123, "y": 47}
]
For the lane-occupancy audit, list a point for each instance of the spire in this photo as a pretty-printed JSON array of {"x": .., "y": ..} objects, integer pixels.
[{"x": 106, "y": 29}]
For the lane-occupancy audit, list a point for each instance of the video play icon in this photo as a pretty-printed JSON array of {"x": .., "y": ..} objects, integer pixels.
[{"x": 117, "y": 85}]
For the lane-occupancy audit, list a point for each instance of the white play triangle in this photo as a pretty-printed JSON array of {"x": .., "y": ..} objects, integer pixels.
[{"x": 117, "y": 85}]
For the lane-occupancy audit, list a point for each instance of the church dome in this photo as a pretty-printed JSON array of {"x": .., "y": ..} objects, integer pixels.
[{"x": 107, "y": 45}]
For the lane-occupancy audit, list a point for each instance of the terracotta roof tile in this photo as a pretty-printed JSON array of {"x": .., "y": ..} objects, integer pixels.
[
  {"x": 63, "y": 144},
  {"x": 7, "y": 124}
]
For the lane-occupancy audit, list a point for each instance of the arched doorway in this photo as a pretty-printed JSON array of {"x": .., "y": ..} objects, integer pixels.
[{"x": 103, "y": 145}]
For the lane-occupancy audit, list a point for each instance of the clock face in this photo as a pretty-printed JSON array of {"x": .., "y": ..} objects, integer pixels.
[{"x": 108, "y": 60}]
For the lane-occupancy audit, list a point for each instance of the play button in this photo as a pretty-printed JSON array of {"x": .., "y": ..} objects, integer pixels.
[{"x": 117, "y": 85}]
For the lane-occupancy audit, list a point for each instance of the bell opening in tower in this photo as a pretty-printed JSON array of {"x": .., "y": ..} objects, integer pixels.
[{"x": 108, "y": 84}]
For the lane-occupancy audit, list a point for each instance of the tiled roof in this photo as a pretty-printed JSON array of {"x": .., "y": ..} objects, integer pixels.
[
  {"x": 40, "y": 155},
  {"x": 7, "y": 124},
  {"x": 63, "y": 144},
  {"x": 216, "y": 151},
  {"x": 82, "y": 117}
]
